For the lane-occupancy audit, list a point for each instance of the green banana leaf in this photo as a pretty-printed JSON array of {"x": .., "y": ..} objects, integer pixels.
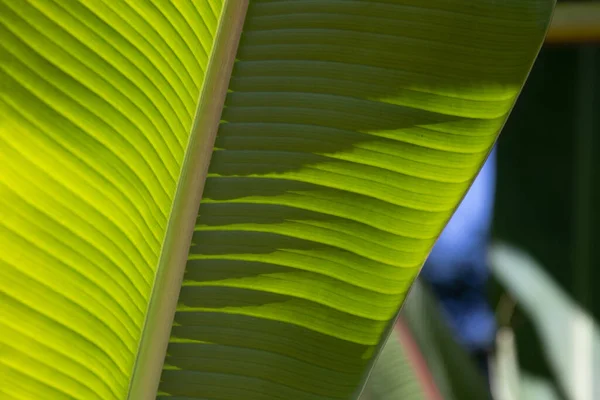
[
  {"x": 348, "y": 131},
  {"x": 570, "y": 337}
]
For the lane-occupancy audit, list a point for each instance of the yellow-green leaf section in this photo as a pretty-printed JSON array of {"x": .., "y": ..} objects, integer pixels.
[
  {"x": 350, "y": 133},
  {"x": 98, "y": 100}
]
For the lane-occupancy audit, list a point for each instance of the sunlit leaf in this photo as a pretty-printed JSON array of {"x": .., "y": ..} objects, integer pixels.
[{"x": 350, "y": 131}]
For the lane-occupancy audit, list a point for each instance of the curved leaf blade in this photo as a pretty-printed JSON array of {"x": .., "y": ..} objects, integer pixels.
[
  {"x": 345, "y": 146},
  {"x": 98, "y": 99}
]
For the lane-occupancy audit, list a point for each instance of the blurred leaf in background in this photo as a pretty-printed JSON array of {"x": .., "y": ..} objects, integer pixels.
[
  {"x": 454, "y": 371},
  {"x": 399, "y": 372},
  {"x": 509, "y": 382},
  {"x": 423, "y": 347},
  {"x": 570, "y": 337}
]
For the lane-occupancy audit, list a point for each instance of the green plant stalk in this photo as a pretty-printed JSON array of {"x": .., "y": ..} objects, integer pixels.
[
  {"x": 583, "y": 176},
  {"x": 169, "y": 276}
]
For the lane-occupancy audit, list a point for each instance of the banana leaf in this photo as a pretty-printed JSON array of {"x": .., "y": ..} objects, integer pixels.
[{"x": 326, "y": 144}]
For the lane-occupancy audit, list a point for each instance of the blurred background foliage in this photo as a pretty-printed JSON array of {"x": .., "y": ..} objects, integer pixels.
[{"x": 547, "y": 196}]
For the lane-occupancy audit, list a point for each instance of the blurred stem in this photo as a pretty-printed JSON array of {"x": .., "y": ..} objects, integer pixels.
[
  {"x": 505, "y": 310},
  {"x": 583, "y": 179},
  {"x": 506, "y": 377}
]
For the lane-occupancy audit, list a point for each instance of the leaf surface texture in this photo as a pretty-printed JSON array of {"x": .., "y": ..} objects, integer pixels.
[
  {"x": 350, "y": 133},
  {"x": 98, "y": 101}
]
